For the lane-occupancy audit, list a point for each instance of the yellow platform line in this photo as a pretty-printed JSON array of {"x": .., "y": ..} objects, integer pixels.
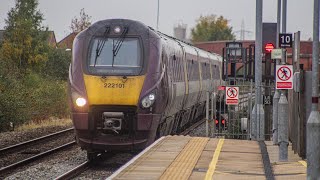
[
  {"x": 214, "y": 161},
  {"x": 182, "y": 166},
  {"x": 304, "y": 163}
]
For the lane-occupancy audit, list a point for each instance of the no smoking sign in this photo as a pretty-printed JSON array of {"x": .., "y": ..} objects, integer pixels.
[
  {"x": 284, "y": 77},
  {"x": 232, "y": 95}
]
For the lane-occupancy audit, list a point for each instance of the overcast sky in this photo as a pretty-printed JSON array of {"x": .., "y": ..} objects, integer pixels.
[{"x": 59, "y": 13}]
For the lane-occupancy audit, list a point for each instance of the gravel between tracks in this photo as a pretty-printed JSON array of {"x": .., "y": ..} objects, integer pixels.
[
  {"x": 200, "y": 131},
  {"x": 53, "y": 166}
]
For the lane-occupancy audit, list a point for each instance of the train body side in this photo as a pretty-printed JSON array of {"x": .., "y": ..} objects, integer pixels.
[{"x": 190, "y": 73}]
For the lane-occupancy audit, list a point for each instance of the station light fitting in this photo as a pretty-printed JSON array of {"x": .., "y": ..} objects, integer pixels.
[{"x": 269, "y": 47}]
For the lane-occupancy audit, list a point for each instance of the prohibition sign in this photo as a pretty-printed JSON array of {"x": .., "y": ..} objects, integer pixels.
[
  {"x": 284, "y": 78},
  {"x": 284, "y": 73},
  {"x": 232, "y": 92}
]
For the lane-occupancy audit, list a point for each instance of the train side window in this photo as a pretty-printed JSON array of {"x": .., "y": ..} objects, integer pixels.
[
  {"x": 197, "y": 72},
  {"x": 172, "y": 68},
  {"x": 206, "y": 70},
  {"x": 180, "y": 70},
  {"x": 192, "y": 71},
  {"x": 189, "y": 69},
  {"x": 216, "y": 72},
  {"x": 175, "y": 68}
]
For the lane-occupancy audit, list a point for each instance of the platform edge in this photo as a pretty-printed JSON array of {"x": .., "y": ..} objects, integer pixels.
[{"x": 134, "y": 159}]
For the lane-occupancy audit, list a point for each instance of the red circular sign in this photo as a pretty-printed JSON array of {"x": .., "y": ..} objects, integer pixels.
[
  {"x": 269, "y": 47},
  {"x": 232, "y": 92},
  {"x": 284, "y": 73}
]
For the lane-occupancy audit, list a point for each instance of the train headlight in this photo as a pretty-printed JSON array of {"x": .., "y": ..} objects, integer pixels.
[
  {"x": 117, "y": 30},
  {"x": 148, "y": 100},
  {"x": 152, "y": 97},
  {"x": 78, "y": 99},
  {"x": 81, "y": 102}
]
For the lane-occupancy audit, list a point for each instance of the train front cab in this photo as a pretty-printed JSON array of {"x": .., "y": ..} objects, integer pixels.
[{"x": 118, "y": 96}]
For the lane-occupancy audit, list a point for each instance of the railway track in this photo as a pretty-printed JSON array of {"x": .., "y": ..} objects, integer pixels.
[
  {"x": 22, "y": 145},
  {"x": 75, "y": 171},
  {"x": 25, "y": 158},
  {"x": 87, "y": 164},
  {"x": 18, "y": 164},
  {"x": 195, "y": 125}
]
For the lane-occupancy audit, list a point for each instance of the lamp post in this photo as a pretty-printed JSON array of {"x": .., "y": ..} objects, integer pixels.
[{"x": 158, "y": 15}]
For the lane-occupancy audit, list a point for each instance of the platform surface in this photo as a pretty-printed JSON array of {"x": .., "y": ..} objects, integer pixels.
[
  {"x": 294, "y": 169},
  {"x": 184, "y": 157}
]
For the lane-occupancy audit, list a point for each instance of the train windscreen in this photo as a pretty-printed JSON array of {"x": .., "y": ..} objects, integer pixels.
[{"x": 114, "y": 56}]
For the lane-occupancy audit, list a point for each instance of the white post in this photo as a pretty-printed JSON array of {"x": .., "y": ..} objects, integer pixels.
[
  {"x": 313, "y": 124},
  {"x": 207, "y": 115},
  {"x": 258, "y": 118}
]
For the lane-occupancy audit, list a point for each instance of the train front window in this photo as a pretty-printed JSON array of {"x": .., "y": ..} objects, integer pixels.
[{"x": 106, "y": 59}]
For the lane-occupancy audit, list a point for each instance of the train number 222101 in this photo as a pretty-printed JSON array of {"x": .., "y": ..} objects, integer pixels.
[{"x": 113, "y": 85}]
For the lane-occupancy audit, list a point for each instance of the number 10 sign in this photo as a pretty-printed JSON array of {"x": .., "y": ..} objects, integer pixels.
[{"x": 285, "y": 40}]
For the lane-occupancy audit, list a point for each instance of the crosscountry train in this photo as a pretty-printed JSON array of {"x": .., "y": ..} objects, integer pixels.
[{"x": 130, "y": 84}]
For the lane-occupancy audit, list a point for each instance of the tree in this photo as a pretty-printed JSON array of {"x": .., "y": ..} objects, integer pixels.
[
  {"x": 57, "y": 66},
  {"x": 81, "y": 23},
  {"x": 25, "y": 40},
  {"x": 211, "y": 28}
]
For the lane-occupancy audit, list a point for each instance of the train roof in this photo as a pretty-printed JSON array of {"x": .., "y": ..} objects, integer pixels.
[
  {"x": 186, "y": 43},
  {"x": 97, "y": 26}
]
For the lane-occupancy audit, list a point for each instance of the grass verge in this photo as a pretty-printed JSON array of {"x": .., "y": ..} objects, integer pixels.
[{"x": 44, "y": 123}]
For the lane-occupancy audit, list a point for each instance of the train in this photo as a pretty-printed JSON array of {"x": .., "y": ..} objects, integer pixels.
[{"x": 130, "y": 84}]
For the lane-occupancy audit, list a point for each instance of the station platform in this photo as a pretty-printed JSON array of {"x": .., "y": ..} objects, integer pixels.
[{"x": 185, "y": 157}]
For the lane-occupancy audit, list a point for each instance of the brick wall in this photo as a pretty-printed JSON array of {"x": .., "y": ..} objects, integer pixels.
[{"x": 305, "y": 50}]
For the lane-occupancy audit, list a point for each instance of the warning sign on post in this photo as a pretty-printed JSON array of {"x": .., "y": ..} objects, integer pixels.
[
  {"x": 284, "y": 77},
  {"x": 232, "y": 95}
]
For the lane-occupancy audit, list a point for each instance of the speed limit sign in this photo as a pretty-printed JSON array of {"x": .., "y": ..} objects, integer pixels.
[{"x": 285, "y": 40}]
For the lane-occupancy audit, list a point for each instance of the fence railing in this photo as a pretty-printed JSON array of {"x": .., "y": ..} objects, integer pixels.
[{"x": 234, "y": 121}]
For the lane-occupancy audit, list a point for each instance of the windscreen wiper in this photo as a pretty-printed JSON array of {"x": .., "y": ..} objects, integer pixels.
[
  {"x": 100, "y": 44},
  {"x": 118, "y": 44}
]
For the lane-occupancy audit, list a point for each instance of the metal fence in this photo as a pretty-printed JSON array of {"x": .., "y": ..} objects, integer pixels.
[{"x": 234, "y": 121}]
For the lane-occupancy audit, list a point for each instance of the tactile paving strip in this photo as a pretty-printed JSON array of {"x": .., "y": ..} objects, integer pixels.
[{"x": 182, "y": 166}]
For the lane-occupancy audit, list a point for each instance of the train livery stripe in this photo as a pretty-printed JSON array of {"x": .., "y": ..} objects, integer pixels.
[
  {"x": 214, "y": 161},
  {"x": 113, "y": 90}
]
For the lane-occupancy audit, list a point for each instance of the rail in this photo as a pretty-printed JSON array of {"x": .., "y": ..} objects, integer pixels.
[
  {"x": 33, "y": 141},
  {"x": 6, "y": 169},
  {"x": 75, "y": 171}
]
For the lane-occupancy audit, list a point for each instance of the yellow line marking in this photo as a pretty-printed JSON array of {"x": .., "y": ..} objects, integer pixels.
[
  {"x": 304, "y": 163},
  {"x": 214, "y": 160}
]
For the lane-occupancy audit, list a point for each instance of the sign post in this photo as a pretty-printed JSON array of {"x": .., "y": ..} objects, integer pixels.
[{"x": 313, "y": 123}]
